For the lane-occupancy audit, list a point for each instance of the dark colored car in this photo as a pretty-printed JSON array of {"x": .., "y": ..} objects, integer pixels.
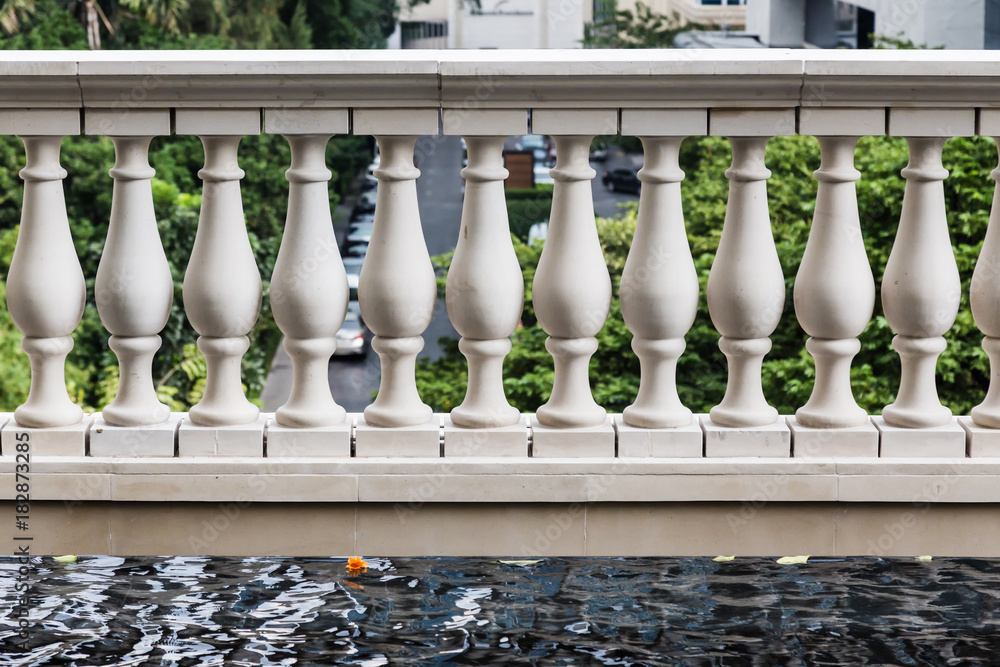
[
  {"x": 354, "y": 338},
  {"x": 622, "y": 179}
]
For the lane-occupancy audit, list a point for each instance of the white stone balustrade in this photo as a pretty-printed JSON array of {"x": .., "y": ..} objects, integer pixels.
[
  {"x": 309, "y": 291},
  {"x": 222, "y": 287},
  {"x": 134, "y": 289},
  {"x": 984, "y": 298},
  {"x": 661, "y": 97},
  {"x": 835, "y": 289},
  {"x": 46, "y": 292},
  {"x": 921, "y": 289},
  {"x": 397, "y": 289},
  {"x": 746, "y": 289},
  {"x": 572, "y": 288},
  {"x": 659, "y": 287},
  {"x": 485, "y": 290}
]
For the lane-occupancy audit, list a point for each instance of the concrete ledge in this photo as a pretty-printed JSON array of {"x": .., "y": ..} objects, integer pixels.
[
  {"x": 509, "y": 480},
  {"x": 514, "y": 529}
]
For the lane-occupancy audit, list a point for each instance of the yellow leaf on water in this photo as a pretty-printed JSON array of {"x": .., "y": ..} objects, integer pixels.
[
  {"x": 65, "y": 559},
  {"x": 925, "y": 558},
  {"x": 792, "y": 560},
  {"x": 724, "y": 559}
]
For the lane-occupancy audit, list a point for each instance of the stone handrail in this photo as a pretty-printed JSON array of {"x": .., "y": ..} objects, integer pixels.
[{"x": 659, "y": 96}]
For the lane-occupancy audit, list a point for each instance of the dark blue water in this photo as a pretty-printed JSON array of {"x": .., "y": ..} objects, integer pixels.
[{"x": 183, "y": 611}]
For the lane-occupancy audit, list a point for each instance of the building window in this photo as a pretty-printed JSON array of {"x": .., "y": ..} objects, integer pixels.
[{"x": 604, "y": 11}]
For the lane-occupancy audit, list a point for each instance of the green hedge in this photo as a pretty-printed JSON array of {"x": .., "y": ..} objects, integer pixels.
[{"x": 526, "y": 207}]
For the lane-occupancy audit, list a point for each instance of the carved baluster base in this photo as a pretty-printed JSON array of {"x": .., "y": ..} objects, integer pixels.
[
  {"x": 571, "y": 404},
  {"x": 917, "y": 404},
  {"x": 657, "y": 404},
  {"x": 310, "y": 403},
  {"x": 987, "y": 413},
  {"x": 224, "y": 403},
  {"x": 398, "y": 403},
  {"x": 744, "y": 403},
  {"x": 48, "y": 404},
  {"x": 485, "y": 391},
  {"x": 831, "y": 404},
  {"x": 135, "y": 403}
]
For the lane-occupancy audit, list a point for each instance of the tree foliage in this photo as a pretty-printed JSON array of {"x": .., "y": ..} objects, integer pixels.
[
  {"x": 92, "y": 373},
  {"x": 642, "y": 28},
  {"x": 963, "y": 370}
]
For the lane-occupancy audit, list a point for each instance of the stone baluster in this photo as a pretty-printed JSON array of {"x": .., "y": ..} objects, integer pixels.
[
  {"x": 659, "y": 287},
  {"x": 921, "y": 288},
  {"x": 571, "y": 291},
  {"x": 222, "y": 287},
  {"x": 309, "y": 291},
  {"x": 984, "y": 296},
  {"x": 485, "y": 289},
  {"x": 397, "y": 288},
  {"x": 134, "y": 289},
  {"x": 46, "y": 292},
  {"x": 746, "y": 289},
  {"x": 834, "y": 289}
]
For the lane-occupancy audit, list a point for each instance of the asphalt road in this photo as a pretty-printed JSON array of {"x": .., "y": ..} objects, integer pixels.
[{"x": 440, "y": 193}]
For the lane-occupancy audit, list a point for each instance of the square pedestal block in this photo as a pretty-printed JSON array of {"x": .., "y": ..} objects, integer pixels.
[
  {"x": 505, "y": 441},
  {"x": 591, "y": 441},
  {"x": 319, "y": 441},
  {"x": 59, "y": 441},
  {"x": 982, "y": 442},
  {"x": 946, "y": 441},
  {"x": 773, "y": 440},
  {"x": 134, "y": 441},
  {"x": 242, "y": 440},
  {"x": 683, "y": 441},
  {"x": 813, "y": 442},
  {"x": 422, "y": 441}
]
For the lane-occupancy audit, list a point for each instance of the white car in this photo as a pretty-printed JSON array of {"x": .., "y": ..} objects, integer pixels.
[
  {"x": 538, "y": 232},
  {"x": 542, "y": 175}
]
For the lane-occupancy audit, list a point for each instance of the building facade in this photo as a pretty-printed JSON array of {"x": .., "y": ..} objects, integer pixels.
[
  {"x": 494, "y": 24},
  {"x": 952, "y": 24}
]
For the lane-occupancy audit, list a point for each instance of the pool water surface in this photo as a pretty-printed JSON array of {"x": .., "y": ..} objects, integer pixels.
[{"x": 186, "y": 611}]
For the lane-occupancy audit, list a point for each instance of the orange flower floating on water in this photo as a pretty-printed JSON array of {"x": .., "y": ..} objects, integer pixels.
[{"x": 355, "y": 565}]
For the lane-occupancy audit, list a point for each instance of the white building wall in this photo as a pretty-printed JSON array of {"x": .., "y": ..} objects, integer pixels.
[
  {"x": 953, "y": 24},
  {"x": 509, "y": 24}
]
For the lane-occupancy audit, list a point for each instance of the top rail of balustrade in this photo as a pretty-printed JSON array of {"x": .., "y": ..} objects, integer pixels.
[{"x": 581, "y": 78}]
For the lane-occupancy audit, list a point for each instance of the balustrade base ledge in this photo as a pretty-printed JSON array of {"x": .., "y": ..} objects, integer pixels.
[
  {"x": 515, "y": 530},
  {"x": 315, "y": 465}
]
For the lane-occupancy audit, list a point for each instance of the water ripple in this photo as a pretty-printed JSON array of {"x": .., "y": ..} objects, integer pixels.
[{"x": 187, "y": 611}]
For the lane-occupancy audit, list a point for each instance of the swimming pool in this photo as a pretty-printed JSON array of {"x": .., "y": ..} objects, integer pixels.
[{"x": 631, "y": 611}]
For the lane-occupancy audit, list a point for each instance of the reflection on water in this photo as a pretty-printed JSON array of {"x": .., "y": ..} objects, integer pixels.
[{"x": 631, "y": 611}]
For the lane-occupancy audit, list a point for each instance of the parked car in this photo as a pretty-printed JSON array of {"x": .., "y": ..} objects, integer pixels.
[
  {"x": 361, "y": 216},
  {"x": 354, "y": 338},
  {"x": 537, "y": 144},
  {"x": 599, "y": 152},
  {"x": 352, "y": 285},
  {"x": 353, "y": 267},
  {"x": 359, "y": 232},
  {"x": 370, "y": 184},
  {"x": 366, "y": 202},
  {"x": 542, "y": 174},
  {"x": 622, "y": 179},
  {"x": 355, "y": 250}
]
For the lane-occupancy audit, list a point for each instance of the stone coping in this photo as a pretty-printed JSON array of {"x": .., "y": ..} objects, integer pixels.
[
  {"x": 500, "y": 479},
  {"x": 570, "y": 79},
  {"x": 481, "y": 479}
]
